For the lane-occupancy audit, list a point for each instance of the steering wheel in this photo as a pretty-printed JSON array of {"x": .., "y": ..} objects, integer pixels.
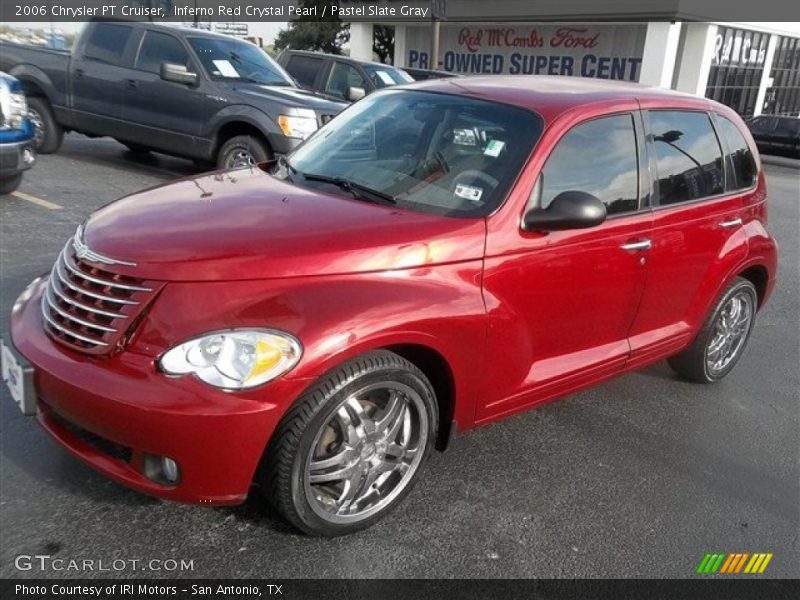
[{"x": 473, "y": 174}]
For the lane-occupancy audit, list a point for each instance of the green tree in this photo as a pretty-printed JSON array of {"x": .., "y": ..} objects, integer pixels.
[
  {"x": 308, "y": 33},
  {"x": 383, "y": 42}
]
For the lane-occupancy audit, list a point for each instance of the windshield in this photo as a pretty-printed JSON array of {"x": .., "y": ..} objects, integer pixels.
[
  {"x": 439, "y": 153},
  {"x": 383, "y": 76},
  {"x": 243, "y": 61}
]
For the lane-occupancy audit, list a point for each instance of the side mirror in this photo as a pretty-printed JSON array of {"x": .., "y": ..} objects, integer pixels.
[
  {"x": 178, "y": 74},
  {"x": 355, "y": 93},
  {"x": 568, "y": 210}
]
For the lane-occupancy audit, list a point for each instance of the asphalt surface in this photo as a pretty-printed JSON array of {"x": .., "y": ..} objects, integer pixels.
[{"x": 639, "y": 477}]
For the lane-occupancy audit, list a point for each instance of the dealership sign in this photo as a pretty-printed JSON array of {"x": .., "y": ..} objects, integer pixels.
[{"x": 600, "y": 51}]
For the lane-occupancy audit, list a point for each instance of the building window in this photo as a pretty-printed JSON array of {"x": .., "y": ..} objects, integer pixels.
[
  {"x": 736, "y": 68},
  {"x": 783, "y": 98}
]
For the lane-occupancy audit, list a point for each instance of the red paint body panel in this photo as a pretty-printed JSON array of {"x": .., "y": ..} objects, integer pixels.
[
  {"x": 519, "y": 318},
  {"x": 248, "y": 225}
]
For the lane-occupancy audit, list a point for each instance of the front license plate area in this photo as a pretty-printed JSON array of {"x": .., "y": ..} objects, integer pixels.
[{"x": 18, "y": 377}]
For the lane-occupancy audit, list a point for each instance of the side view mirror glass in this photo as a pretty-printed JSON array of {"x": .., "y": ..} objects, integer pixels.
[{"x": 568, "y": 210}]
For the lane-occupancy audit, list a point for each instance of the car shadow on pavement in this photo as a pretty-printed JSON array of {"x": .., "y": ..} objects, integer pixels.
[
  {"x": 660, "y": 370},
  {"x": 106, "y": 152},
  {"x": 258, "y": 512}
]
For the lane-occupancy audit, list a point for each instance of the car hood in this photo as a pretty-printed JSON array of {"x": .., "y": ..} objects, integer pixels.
[
  {"x": 246, "y": 224},
  {"x": 290, "y": 95}
]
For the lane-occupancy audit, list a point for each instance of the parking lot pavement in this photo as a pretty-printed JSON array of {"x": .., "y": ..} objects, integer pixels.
[{"x": 639, "y": 477}]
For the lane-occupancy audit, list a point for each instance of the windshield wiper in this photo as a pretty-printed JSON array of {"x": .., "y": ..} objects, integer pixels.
[{"x": 359, "y": 191}]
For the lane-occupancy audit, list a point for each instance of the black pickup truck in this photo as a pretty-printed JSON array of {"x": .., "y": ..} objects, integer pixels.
[{"x": 180, "y": 91}]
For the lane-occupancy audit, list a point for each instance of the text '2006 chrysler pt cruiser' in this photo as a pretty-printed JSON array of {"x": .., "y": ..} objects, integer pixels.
[{"x": 435, "y": 258}]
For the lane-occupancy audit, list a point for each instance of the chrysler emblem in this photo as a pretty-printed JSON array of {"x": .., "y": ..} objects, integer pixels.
[{"x": 83, "y": 252}]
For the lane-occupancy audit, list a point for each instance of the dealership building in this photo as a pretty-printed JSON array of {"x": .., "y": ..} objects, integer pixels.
[{"x": 752, "y": 67}]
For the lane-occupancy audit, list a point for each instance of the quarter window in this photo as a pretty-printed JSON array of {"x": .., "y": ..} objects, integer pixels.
[
  {"x": 598, "y": 157},
  {"x": 688, "y": 156},
  {"x": 160, "y": 48},
  {"x": 741, "y": 163},
  {"x": 107, "y": 43}
]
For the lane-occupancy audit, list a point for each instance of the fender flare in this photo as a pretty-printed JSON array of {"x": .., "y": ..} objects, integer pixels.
[
  {"x": 241, "y": 113},
  {"x": 31, "y": 74}
]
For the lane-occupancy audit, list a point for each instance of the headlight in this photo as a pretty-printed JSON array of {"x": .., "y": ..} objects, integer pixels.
[
  {"x": 236, "y": 359},
  {"x": 298, "y": 126},
  {"x": 13, "y": 106}
]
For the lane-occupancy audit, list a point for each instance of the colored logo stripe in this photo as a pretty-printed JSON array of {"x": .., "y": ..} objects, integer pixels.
[{"x": 734, "y": 562}]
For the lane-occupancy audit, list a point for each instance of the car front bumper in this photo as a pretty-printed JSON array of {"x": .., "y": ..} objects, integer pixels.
[
  {"x": 118, "y": 414},
  {"x": 16, "y": 157}
]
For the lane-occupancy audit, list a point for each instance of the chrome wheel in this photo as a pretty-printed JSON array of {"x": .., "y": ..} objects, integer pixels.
[
  {"x": 240, "y": 158},
  {"x": 38, "y": 127},
  {"x": 730, "y": 332},
  {"x": 367, "y": 452}
]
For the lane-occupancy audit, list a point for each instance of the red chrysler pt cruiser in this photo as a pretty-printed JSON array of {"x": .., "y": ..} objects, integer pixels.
[{"x": 435, "y": 258}]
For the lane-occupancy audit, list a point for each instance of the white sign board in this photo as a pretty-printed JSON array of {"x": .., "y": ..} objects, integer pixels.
[{"x": 582, "y": 50}]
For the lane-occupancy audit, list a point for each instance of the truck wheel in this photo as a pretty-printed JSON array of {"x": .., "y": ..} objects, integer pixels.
[
  {"x": 242, "y": 151},
  {"x": 349, "y": 451},
  {"x": 723, "y": 338},
  {"x": 9, "y": 184},
  {"x": 48, "y": 134}
]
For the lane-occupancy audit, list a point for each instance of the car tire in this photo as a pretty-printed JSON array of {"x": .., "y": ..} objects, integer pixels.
[
  {"x": 242, "y": 151},
  {"x": 9, "y": 184},
  {"x": 723, "y": 338},
  {"x": 351, "y": 448},
  {"x": 48, "y": 132}
]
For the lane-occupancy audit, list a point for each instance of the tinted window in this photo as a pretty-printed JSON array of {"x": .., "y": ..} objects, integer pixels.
[
  {"x": 688, "y": 156},
  {"x": 598, "y": 157},
  {"x": 790, "y": 127},
  {"x": 342, "y": 77},
  {"x": 107, "y": 43},
  {"x": 160, "y": 48},
  {"x": 741, "y": 163},
  {"x": 763, "y": 124},
  {"x": 304, "y": 69}
]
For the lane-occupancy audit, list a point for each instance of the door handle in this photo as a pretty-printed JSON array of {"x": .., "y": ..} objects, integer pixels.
[
  {"x": 731, "y": 223},
  {"x": 78, "y": 73},
  {"x": 132, "y": 84},
  {"x": 636, "y": 246}
]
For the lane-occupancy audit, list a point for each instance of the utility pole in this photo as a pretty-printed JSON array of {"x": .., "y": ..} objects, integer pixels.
[{"x": 438, "y": 10}]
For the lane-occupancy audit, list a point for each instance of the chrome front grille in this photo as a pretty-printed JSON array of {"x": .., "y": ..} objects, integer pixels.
[{"x": 90, "y": 308}]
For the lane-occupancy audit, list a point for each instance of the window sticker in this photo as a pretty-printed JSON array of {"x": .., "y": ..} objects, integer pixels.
[
  {"x": 465, "y": 137},
  {"x": 468, "y": 192},
  {"x": 494, "y": 148},
  {"x": 385, "y": 77},
  {"x": 225, "y": 68}
]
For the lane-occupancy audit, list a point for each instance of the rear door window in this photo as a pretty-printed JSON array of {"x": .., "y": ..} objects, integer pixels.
[
  {"x": 304, "y": 69},
  {"x": 741, "y": 163},
  {"x": 107, "y": 43},
  {"x": 598, "y": 157},
  {"x": 160, "y": 48},
  {"x": 688, "y": 156}
]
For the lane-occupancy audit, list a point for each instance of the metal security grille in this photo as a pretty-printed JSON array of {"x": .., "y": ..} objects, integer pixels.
[
  {"x": 88, "y": 308},
  {"x": 736, "y": 68},
  {"x": 783, "y": 98}
]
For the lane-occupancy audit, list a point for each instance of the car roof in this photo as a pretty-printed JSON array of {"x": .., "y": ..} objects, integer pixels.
[
  {"x": 550, "y": 95},
  {"x": 174, "y": 28},
  {"x": 341, "y": 57}
]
